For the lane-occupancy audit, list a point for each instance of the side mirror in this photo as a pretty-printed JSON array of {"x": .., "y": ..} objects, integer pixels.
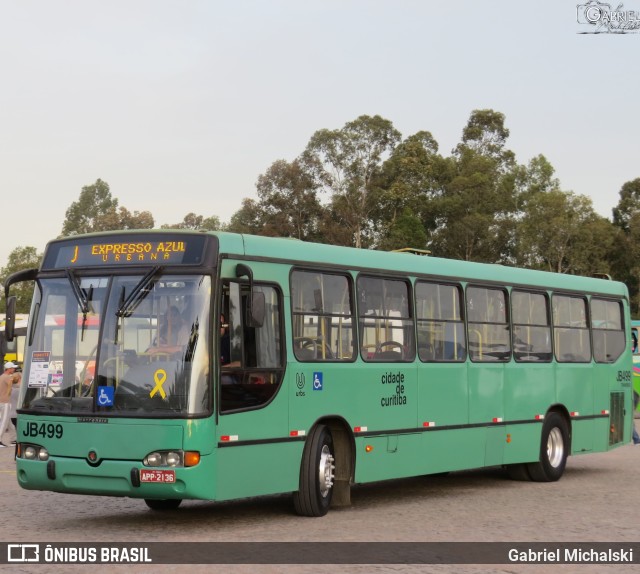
[
  {"x": 256, "y": 302},
  {"x": 10, "y": 323}
]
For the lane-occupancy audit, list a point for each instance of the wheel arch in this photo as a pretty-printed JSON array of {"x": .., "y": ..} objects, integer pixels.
[
  {"x": 564, "y": 413},
  {"x": 344, "y": 445}
]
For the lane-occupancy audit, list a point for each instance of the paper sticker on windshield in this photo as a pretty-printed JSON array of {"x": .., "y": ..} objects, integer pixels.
[{"x": 39, "y": 372}]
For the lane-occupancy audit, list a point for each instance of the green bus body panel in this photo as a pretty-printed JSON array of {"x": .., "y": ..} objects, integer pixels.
[{"x": 403, "y": 419}]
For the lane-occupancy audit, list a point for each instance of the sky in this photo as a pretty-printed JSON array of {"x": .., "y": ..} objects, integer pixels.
[{"x": 179, "y": 105}]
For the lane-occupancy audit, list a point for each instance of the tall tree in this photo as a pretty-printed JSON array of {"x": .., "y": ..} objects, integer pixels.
[
  {"x": 288, "y": 198},
  {"x": 628, "y": 205},
  {"x": 564, "y": 234},
  {"x": 20, "y": 258},
  {"x": 626, "y": 258},
  {"x": 478, "y": 203},
  {"x": 97, "y": 210},
  {"x": 535, "y": 178},
  {"x": 411, "y": 182},
  {"x": 345, "y": 161},
  {"x": 196, "y": 223},
  {"x": 248, "y": 219}
]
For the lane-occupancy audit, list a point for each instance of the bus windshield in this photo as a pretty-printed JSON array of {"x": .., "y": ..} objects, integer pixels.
[{"x": 131, "y": 345}]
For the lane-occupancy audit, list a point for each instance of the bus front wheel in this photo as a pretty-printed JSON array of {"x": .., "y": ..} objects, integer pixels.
[
  {"x": 163, "y": 504},
  {"x": 554, "y": 449},
  {"x": 317, "y": 474}
]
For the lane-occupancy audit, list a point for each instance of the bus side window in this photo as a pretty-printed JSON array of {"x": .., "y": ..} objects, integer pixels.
[
  {"x": 322, "y": 314},
  {"x": 440, "y": 322},
  {"x": 385, "y": 319}
]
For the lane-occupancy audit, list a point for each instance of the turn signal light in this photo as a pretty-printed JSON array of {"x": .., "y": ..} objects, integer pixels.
[{"x": 191, "y": 458}]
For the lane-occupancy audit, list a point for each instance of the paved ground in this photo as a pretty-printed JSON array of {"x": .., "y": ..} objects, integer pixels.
[{"x": 598, "y": 499}]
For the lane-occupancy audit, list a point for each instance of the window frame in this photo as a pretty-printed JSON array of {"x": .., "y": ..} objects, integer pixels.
[
  {"x": 352, "y": 316},
  {"x": 506, "y": 324},
  {"x": 430, "y": 320},
  {"x": 361, "y": 318},
  {"x": 518, "y": 357},
  {"x": 558, "y": 326}
]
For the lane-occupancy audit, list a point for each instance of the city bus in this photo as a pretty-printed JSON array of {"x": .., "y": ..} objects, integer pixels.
[
  {"x": 14, "y": 350},
  {"x": 173, "y": 365}
]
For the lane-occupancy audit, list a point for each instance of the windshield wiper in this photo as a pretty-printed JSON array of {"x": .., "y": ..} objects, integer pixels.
[
  {"x": 83, "y": 299},
  {"x": 138, "y": 293},
  {"x": 127, "y": 306}
]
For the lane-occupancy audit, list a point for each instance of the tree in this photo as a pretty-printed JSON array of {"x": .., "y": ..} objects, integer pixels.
[
  {"x": 20, "y": 258},
  {"x": 626, "y": 257},
  {"x": 478, "y": 204},
  {"x": 196, "y": 223},
  {"x": 248, "y": 219},
  {"x": 565, "y": 235},
  {"x": 530, "y": 180},
  {"x": 628, "y": 205},
  {"x": 345, "y": 162},
  {"x": 97, "y": 210},
  {"x": 407, "y": 192},
  {"x": 289, "y": 201}
]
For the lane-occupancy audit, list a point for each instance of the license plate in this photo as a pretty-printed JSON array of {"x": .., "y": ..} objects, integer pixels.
[{"x": 157, "y": 475}]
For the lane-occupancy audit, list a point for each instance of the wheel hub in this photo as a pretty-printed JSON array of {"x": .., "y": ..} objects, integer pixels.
[{"x": 325, "y": 471}]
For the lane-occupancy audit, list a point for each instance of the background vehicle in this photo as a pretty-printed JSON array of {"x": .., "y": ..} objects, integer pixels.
[
  {"x": 14, "y": 349},
  {"x": 635, "y": 326}
]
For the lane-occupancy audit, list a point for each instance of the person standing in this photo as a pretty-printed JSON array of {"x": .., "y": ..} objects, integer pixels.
[{"x": 7, "y": 380}]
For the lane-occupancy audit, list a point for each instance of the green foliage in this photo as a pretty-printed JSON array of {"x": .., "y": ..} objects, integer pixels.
[
  {"x": 345, "y": 163},
  {"x": 196, "y": 223},
  {"x": 97, "y": 210},
  {"x": 478, "y": 204},
  {"x": 625, "y": 259},
  {"x": 19, "y": 259},
  {"x": 289, "y": 201}
]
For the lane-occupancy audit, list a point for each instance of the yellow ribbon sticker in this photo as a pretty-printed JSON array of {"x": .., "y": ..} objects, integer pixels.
[{"x": 160, "y": 376}]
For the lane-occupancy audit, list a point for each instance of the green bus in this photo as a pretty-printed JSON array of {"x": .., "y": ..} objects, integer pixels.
[{"x": 167, "y": 365}]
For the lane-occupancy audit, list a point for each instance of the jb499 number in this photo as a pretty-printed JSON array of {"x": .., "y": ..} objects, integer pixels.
[{"x": 45, "y": 430}]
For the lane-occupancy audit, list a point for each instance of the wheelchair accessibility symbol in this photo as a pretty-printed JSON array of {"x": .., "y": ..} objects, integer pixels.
[
  {"x": 317, "y": 381},
  {"x": 105, "y": 396}
]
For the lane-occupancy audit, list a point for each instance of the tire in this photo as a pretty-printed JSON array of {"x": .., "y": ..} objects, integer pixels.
[
  {"x": 554, "y": 449},
  {"x": 164, "y": 504},
  {"x": 316, "y": 474}
]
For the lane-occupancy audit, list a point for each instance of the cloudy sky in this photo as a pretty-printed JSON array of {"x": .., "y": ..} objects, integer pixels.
[{"x": 181, "y": 104}]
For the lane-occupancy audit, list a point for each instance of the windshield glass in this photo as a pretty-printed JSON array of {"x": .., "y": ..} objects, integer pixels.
[{"x": 132, "y": 346}]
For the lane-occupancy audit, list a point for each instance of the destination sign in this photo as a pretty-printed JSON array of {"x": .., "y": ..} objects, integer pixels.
[{"x": 125, "y": 249}]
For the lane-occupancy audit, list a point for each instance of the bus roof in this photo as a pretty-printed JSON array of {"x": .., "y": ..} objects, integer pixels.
[
  {"x": 408, "y": 263},
  {"x": 307, "y": 253}
]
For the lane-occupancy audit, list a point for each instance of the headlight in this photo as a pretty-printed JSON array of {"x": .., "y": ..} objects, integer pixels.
[
  {"x": 153, "y": 459},
  {"x": 30, "y": 452},
  {"x": 164, "y": 458},
  {"x": 173, "y": 459}
]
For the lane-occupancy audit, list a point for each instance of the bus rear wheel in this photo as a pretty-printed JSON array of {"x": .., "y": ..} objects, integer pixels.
[
  {"x": 317, "y": 474},
  {"x": 163, "y": 504},
  {"x": 554, "y": 449}
]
